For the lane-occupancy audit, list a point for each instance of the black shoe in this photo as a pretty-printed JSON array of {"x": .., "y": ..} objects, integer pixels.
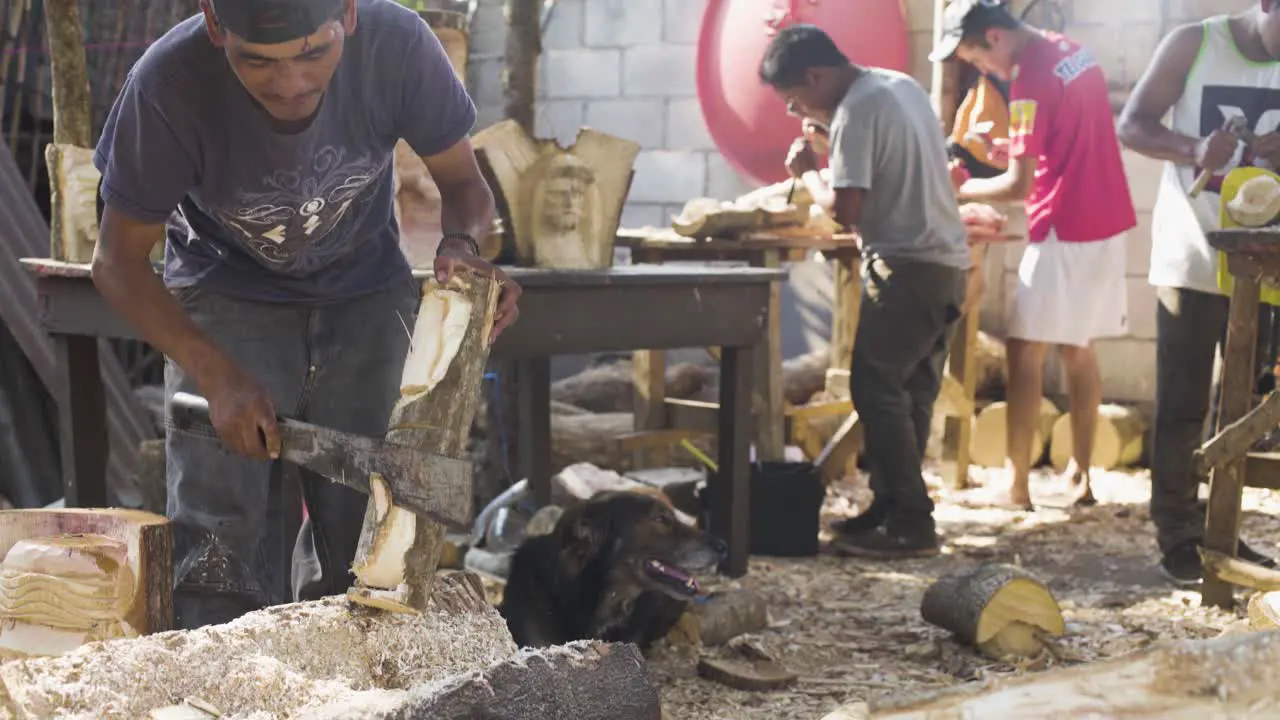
[
  {"x": 1182, "y": 565},
  {"x": 885, "y": 543},
  {"x": 872, "y": 518}
]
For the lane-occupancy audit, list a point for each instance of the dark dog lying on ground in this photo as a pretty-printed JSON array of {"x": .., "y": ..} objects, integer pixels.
[{"x": 619, "y": 568}]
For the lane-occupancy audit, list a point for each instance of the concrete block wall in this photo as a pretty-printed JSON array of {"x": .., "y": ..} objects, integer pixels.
[{"x": 627, "y": 67}]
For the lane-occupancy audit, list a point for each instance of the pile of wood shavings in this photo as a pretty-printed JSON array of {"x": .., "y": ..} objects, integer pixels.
[
  {"x": 274, "y": 663},
  {"x": 852, "y": 629}
]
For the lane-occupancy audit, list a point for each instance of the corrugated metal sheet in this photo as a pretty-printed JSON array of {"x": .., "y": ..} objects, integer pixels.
[{"x": 24, "y": 233}]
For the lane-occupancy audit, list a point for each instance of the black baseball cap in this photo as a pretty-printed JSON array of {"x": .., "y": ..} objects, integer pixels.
[
  {"x": 267, "y": 22},
  {"x": 967, "y": 17}
]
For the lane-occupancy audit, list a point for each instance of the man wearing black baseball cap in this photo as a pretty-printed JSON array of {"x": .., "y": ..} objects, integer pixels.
[
  {"x": 1064, "y": 163},
  {"x": 255, "y": 139}
]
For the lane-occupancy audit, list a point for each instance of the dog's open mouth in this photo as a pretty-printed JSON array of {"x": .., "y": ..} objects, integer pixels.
[{"x": 671, "y": 577}]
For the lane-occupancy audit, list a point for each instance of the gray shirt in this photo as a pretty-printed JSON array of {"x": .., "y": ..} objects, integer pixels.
[
  {"x": 886, "y": 140},
  {"x": 261, "y": 215}
]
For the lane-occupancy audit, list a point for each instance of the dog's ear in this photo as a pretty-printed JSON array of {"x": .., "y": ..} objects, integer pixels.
[{"x": 583, "y": 535}]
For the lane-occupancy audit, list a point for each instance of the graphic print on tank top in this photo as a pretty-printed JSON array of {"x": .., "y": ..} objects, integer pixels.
[
  {"x": 1260, "y": 107},
  {"x": 298, "y": 220}
]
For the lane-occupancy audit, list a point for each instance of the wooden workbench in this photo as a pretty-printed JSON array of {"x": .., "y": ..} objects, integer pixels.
[
  {"x": 561, "y": 312},
  {"x": 771, "y": 249}
]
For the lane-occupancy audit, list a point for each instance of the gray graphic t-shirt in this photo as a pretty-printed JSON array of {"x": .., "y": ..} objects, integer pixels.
[{"x": 261, "y": 215}]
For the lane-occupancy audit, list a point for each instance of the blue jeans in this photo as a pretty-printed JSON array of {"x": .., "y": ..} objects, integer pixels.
[{"x": 334, "y": 365}]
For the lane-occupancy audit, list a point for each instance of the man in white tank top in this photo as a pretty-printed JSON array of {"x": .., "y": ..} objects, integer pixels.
[{"x": 1206, "y": 73}]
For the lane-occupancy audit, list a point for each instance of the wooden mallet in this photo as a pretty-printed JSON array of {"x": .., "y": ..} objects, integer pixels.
[{"x": 1237, "y": 127}]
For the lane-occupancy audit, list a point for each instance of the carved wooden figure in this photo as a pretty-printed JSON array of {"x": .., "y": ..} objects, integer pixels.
[{"x": 562, "y": 204}]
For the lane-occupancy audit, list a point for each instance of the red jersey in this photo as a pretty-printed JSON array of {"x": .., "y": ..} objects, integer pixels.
[{"x": 1059, "y": 113}]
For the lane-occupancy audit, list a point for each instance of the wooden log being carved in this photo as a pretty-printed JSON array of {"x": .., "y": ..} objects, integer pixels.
[
  {"x": 1225, "y": 677},
  {"x": 74, "y": 576},
  {"x": 562, "y": 205},
  {"x": 439, "y": 394},
  {"x": 997, "y": 608},
  {"x": 417, "y": 198}
]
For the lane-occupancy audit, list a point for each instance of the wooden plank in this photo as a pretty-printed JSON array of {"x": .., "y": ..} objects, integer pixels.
[
  {"x": 693, "y": 415},
  {"x": 649, "y": 379},
  {"x": 82, "y": 420},
  {"x": 767, "y": 399},
  {"x": 638, "y": 442},
  {"x": 1226, "y": 484},
  {"x": 1234, "y": 440},
  {"x": 844, "y": 313},
  {"x": 961, "y": 384},
  {"x": 1262, "y": 470}
]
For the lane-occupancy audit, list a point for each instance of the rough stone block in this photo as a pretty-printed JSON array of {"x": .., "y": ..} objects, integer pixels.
[
  {"x": 686, "y": 127},
  {"x": 639, "y": 120},
  {"x": 623, "y": 23},
  {"x": 1142, "y": 308},
  {"x": 559, "y": 119},
  {"x": 669, "y": 176},
  {"x": 1143, "y": 174},
  {"x": 723, "y": 182},
  {"x": 659, "y": 70},
  {"x": 1128, "y": 369},
  {"x": 681, "y": 20},
  {"x": 564, "y": 31},
  {"x": 568, "y": 74},
  {"x": 638, "y": 215}
]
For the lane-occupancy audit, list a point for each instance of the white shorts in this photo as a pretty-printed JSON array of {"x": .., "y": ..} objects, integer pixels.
[{"x": 1070, "y": 293}]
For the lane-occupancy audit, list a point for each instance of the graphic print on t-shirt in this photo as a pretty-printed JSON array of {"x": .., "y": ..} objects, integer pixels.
[
  {"x": 289, "y": 224},
  {"x": 1260, "y": 107}
]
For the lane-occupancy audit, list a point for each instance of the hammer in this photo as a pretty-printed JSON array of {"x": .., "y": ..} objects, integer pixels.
[{"x": 1236, "y": 126}]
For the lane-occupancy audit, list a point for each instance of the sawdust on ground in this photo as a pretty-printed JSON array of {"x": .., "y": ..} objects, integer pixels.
[{"x": 852, "y": 629}]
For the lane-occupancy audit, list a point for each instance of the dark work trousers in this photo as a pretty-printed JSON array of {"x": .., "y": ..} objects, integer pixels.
[
  {"x": 908, "y": 317},
  {"x": 337, "y": 365},
  {"x": 1191, "y": 329}
]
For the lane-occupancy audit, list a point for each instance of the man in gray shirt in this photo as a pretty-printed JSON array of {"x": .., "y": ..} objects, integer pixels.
[{"x": 889, "y": 179}]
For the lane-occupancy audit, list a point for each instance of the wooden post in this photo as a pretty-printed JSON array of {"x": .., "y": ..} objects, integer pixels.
[
  {"x": 766, "y": 396},
  {"x": 524, "y": 45},
  {"x": 72, "y": 109}
]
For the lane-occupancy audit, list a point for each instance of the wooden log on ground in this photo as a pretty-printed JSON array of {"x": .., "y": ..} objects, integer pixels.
[
  {"x": 278, "y": 661},
  {"x": 722, "y": 617},
  {"x": 562, "y": 205},
  {"x": 75, "y": 576},
  {"x": 1236, "y": 439},
  {"x": 988, "y": 444},
  {"x": 1117, "y": 441},
  {"x": 997, "y": 608},
  {"x": 594, "y": 439},
  {"x": 582, "y": 680},
  {"x": 1224, "y": 677},
  {"x": 439, "y": 394},
  {"x": 610, "y": 388},
  {"x": 1239, "y": 572}
]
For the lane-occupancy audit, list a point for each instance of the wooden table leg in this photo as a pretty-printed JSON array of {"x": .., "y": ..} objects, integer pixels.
[
  {"x": 963, "y": 370},
  {"x": 847, "y": 304},
  {"x": 534, "y": 389},
  {"x": 766, "y": 396},
  {"x": 731, "y": 490},
  {"x": 649, "y": 380},
  {"x": 82, "y": 420},
  {"x": 1226, "y": 484}
]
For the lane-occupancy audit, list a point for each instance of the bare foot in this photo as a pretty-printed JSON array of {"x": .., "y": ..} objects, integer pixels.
[
  {"x": 1073, "y": 488},
  {"x": 1000, "y": 497}
]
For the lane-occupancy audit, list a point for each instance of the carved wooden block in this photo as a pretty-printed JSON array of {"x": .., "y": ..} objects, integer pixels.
[
  {"x": 563, "y": 205},
  {"x": 73, "y": 204},
  {"x": 74, "y": 576}
]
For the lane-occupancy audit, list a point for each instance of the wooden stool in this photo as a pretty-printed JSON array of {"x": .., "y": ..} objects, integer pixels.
[{"x": 1253, "y": 256}]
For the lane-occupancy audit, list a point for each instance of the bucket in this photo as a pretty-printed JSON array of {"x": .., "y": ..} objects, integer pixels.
[{"x": 785, "y": 507}]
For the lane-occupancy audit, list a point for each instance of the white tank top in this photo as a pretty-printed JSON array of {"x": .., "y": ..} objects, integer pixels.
[{"x": 1222, "y": 84}]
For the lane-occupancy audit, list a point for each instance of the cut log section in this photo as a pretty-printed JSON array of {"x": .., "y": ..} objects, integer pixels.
[
  {"x": 582, "y": 680},
  {"x": 562, "y": 205},
  {"x": 1117, "y": 442},
  {"x": 1225, "y": 677},
  {"x": 277, "y": 662},
  {"x": 439, "y": 393},
  {"x": 988, "y": 444},
  {"x": 997, "y": 608},
  {"x": 721, "y": 618},
  {"x": 75, "y": 576}
]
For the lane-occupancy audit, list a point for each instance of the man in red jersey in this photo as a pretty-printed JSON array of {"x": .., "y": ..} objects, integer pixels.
[{"x": 1064, "y": 162}]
